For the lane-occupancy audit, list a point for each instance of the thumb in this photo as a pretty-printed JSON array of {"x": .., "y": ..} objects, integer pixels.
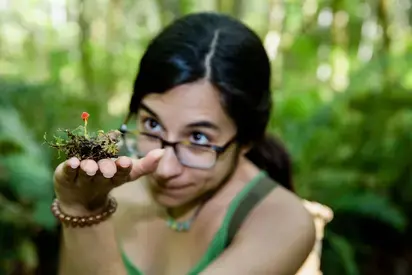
[{"x": 145, "y": 165}]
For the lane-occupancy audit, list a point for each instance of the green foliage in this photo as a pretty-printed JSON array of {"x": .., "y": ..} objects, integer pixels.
[
  {"x": 342, "y": 105},
  {"x": 346, "y": 254},
  {"x": 26, "y": 188}
]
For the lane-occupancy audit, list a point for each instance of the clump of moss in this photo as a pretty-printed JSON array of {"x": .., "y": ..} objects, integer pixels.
[{"x": 80, "y": 144}]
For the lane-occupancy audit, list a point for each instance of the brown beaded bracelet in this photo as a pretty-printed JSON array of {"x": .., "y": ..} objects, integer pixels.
[{"x": 75, "y": 221}]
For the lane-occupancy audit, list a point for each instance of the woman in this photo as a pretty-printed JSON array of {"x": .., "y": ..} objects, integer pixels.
[{"x": 204, "y": 197}]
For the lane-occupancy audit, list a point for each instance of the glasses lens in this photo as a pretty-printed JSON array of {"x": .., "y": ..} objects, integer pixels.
[
  {"x": 196, "y": 156},
  {"x": 127, "y": 145},
  {"x": 145, "y": 144},
  {"x": 139, "y": 145}
]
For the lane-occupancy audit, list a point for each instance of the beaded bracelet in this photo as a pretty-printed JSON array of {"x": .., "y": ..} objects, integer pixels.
[{"x": 83, "y": 221}]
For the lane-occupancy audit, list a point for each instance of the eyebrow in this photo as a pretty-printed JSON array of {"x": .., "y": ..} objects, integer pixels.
[
  {"x": 148, "y": 110},
  {"x": 196, "y": 124},
  {"x": 203, "y": 124}
]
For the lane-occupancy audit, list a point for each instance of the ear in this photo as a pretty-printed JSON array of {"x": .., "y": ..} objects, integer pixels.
[{"x": 244, "y": 149}]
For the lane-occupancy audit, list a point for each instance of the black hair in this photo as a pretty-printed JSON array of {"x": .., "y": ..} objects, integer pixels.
[{"x": 231, "y": 56}]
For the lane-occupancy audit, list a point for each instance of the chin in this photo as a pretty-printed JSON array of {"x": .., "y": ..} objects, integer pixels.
[
  {"x": 172, "y": 197},
  {"x": 168, "y": 201}
]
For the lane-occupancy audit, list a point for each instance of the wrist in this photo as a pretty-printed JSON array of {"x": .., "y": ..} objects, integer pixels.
[
  {"x": 79, "y": 210},
  {"x": 75, "y": 215},
  {"x": 75, "y": 208}
]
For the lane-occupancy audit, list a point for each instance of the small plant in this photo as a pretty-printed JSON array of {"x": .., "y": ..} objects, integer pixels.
[{"x": 82, "y": 145}]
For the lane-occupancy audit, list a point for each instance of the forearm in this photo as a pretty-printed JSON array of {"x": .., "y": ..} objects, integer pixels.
[{"x": 90, "y": 250}]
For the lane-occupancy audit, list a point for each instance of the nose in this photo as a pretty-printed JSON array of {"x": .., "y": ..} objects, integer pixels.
[{"x": 169, "y": 166}]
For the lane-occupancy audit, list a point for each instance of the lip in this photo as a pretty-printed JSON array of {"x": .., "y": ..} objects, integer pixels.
[
  {"x": 175, "y": 187},
  {"x": 169, "y": 187}
]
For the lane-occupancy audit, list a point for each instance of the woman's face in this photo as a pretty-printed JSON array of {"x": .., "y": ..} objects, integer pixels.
[{"x": 190, "y": 112}]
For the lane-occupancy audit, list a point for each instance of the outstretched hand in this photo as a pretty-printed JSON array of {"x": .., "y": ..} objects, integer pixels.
[{"x": 84, "y": 185}]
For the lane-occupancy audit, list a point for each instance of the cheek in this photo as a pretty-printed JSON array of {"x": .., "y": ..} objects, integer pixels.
[
  {"x": 201, "y": 179},
  {"x": 210, "y": 179}
]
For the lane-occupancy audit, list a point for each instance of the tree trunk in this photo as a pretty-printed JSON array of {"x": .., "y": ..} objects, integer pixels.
[
  {"x": 275, "y": 27},
  {"x": 113, "y": 30},
  {"x": 383, "y": 19},
  {"x": 338, "y": 30},
  {"x": 85, "y": 52}
]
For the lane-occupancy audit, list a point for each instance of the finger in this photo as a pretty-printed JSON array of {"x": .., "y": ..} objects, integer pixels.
[
  {"x": 107, "y": 168},
  {"x": 88, "y": 169},
  {"x": 145, "y": 165},
  {"x": 124, "y": 166},
  {"x": 67, "y": 171}
]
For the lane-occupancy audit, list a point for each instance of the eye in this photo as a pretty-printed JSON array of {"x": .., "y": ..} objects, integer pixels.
[
  {"x": 152, "y": 125},
  {"x": 199, "y": 138}
]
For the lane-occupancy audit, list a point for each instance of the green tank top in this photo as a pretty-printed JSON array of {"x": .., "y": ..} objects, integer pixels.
[{"x": 237, "y": 211}]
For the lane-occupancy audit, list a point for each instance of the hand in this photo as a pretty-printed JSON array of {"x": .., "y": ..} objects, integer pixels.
[{"x": 83, "y": 186}]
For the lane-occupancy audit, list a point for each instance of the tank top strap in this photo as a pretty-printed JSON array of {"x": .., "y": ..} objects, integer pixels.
[{"x": 240, "y": 210}]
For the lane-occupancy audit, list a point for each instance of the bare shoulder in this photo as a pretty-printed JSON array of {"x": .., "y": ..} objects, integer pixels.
[
  {"x": 281, "y": 205},
  {"x": 283, "y": 215},
  {"x": 282, "y": 230}
]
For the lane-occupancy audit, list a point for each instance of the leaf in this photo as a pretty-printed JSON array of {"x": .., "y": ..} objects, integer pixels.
[
  {"x": 28, "y": 254},
  {"x": 9, "y": 146},
  {"x": 11, "y": 127},
  {"x": 43, "y": 216},
  {"x": 13, "y": 213},
  {"x": 345, "y": 251},
  {"x": 371, "y": 205},
  {"x": 29, "y": 177}
]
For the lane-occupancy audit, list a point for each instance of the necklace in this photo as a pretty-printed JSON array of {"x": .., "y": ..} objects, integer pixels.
[
  {"x": 186, "y": 225},
  {"x": 182, "y": 226}
]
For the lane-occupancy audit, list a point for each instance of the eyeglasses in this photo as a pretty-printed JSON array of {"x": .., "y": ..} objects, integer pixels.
[{"x": 138, "y": 144}]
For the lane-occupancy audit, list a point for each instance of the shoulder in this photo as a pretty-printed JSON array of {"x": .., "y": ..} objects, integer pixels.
[
  {"x": 282, "y": 204},
  {"x": 279, "y": 231},
  {"x": 283, "y": 215},
  {"x": 282, "y": 229}
]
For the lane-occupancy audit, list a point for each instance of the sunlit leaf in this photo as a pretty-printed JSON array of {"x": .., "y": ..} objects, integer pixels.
[{"x": 28, "y": 254}]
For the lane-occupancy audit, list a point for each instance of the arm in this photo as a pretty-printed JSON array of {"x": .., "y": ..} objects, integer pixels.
[
  {"x": 90, "y": 250},
  {"x": 94, "y": 250},
  {"x": 321, "y": 215},
  {"x": 270, "y": 242}
]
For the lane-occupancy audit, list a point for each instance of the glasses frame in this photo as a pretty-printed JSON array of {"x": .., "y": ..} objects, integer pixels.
[{"x": 219, "y": 150}]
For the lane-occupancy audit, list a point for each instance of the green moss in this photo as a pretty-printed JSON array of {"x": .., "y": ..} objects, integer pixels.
[{"x": 97, "y": 146}]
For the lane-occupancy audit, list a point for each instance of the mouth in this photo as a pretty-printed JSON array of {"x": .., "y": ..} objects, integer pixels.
[
  {"x": 173, "y": 191},
  {"x": 169, "y": 187},
  {"x": 174, "y": 187}
]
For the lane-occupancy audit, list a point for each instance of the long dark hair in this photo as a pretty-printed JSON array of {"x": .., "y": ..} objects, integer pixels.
[{"x": 231, "y": 56}]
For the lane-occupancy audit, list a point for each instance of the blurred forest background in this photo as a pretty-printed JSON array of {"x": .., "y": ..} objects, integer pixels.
[{"x": 341, "y": 81}]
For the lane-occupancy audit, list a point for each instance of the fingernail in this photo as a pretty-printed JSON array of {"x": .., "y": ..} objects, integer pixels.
[
  {"x": 108, "y": 176},
  {"x": 124, "y": 163},
  {"x": 91, "y": 173},
  {"x": 73, "y": 163},
  {"x": 158, "y": 153}
]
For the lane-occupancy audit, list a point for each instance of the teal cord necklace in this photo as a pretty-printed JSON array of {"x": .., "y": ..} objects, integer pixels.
[
  {"x": 182, "y": 226},
  {"x": 186, "y": 225}
]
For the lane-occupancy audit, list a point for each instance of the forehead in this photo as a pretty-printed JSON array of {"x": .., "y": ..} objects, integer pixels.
[{"x": 189, "y": 102}]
